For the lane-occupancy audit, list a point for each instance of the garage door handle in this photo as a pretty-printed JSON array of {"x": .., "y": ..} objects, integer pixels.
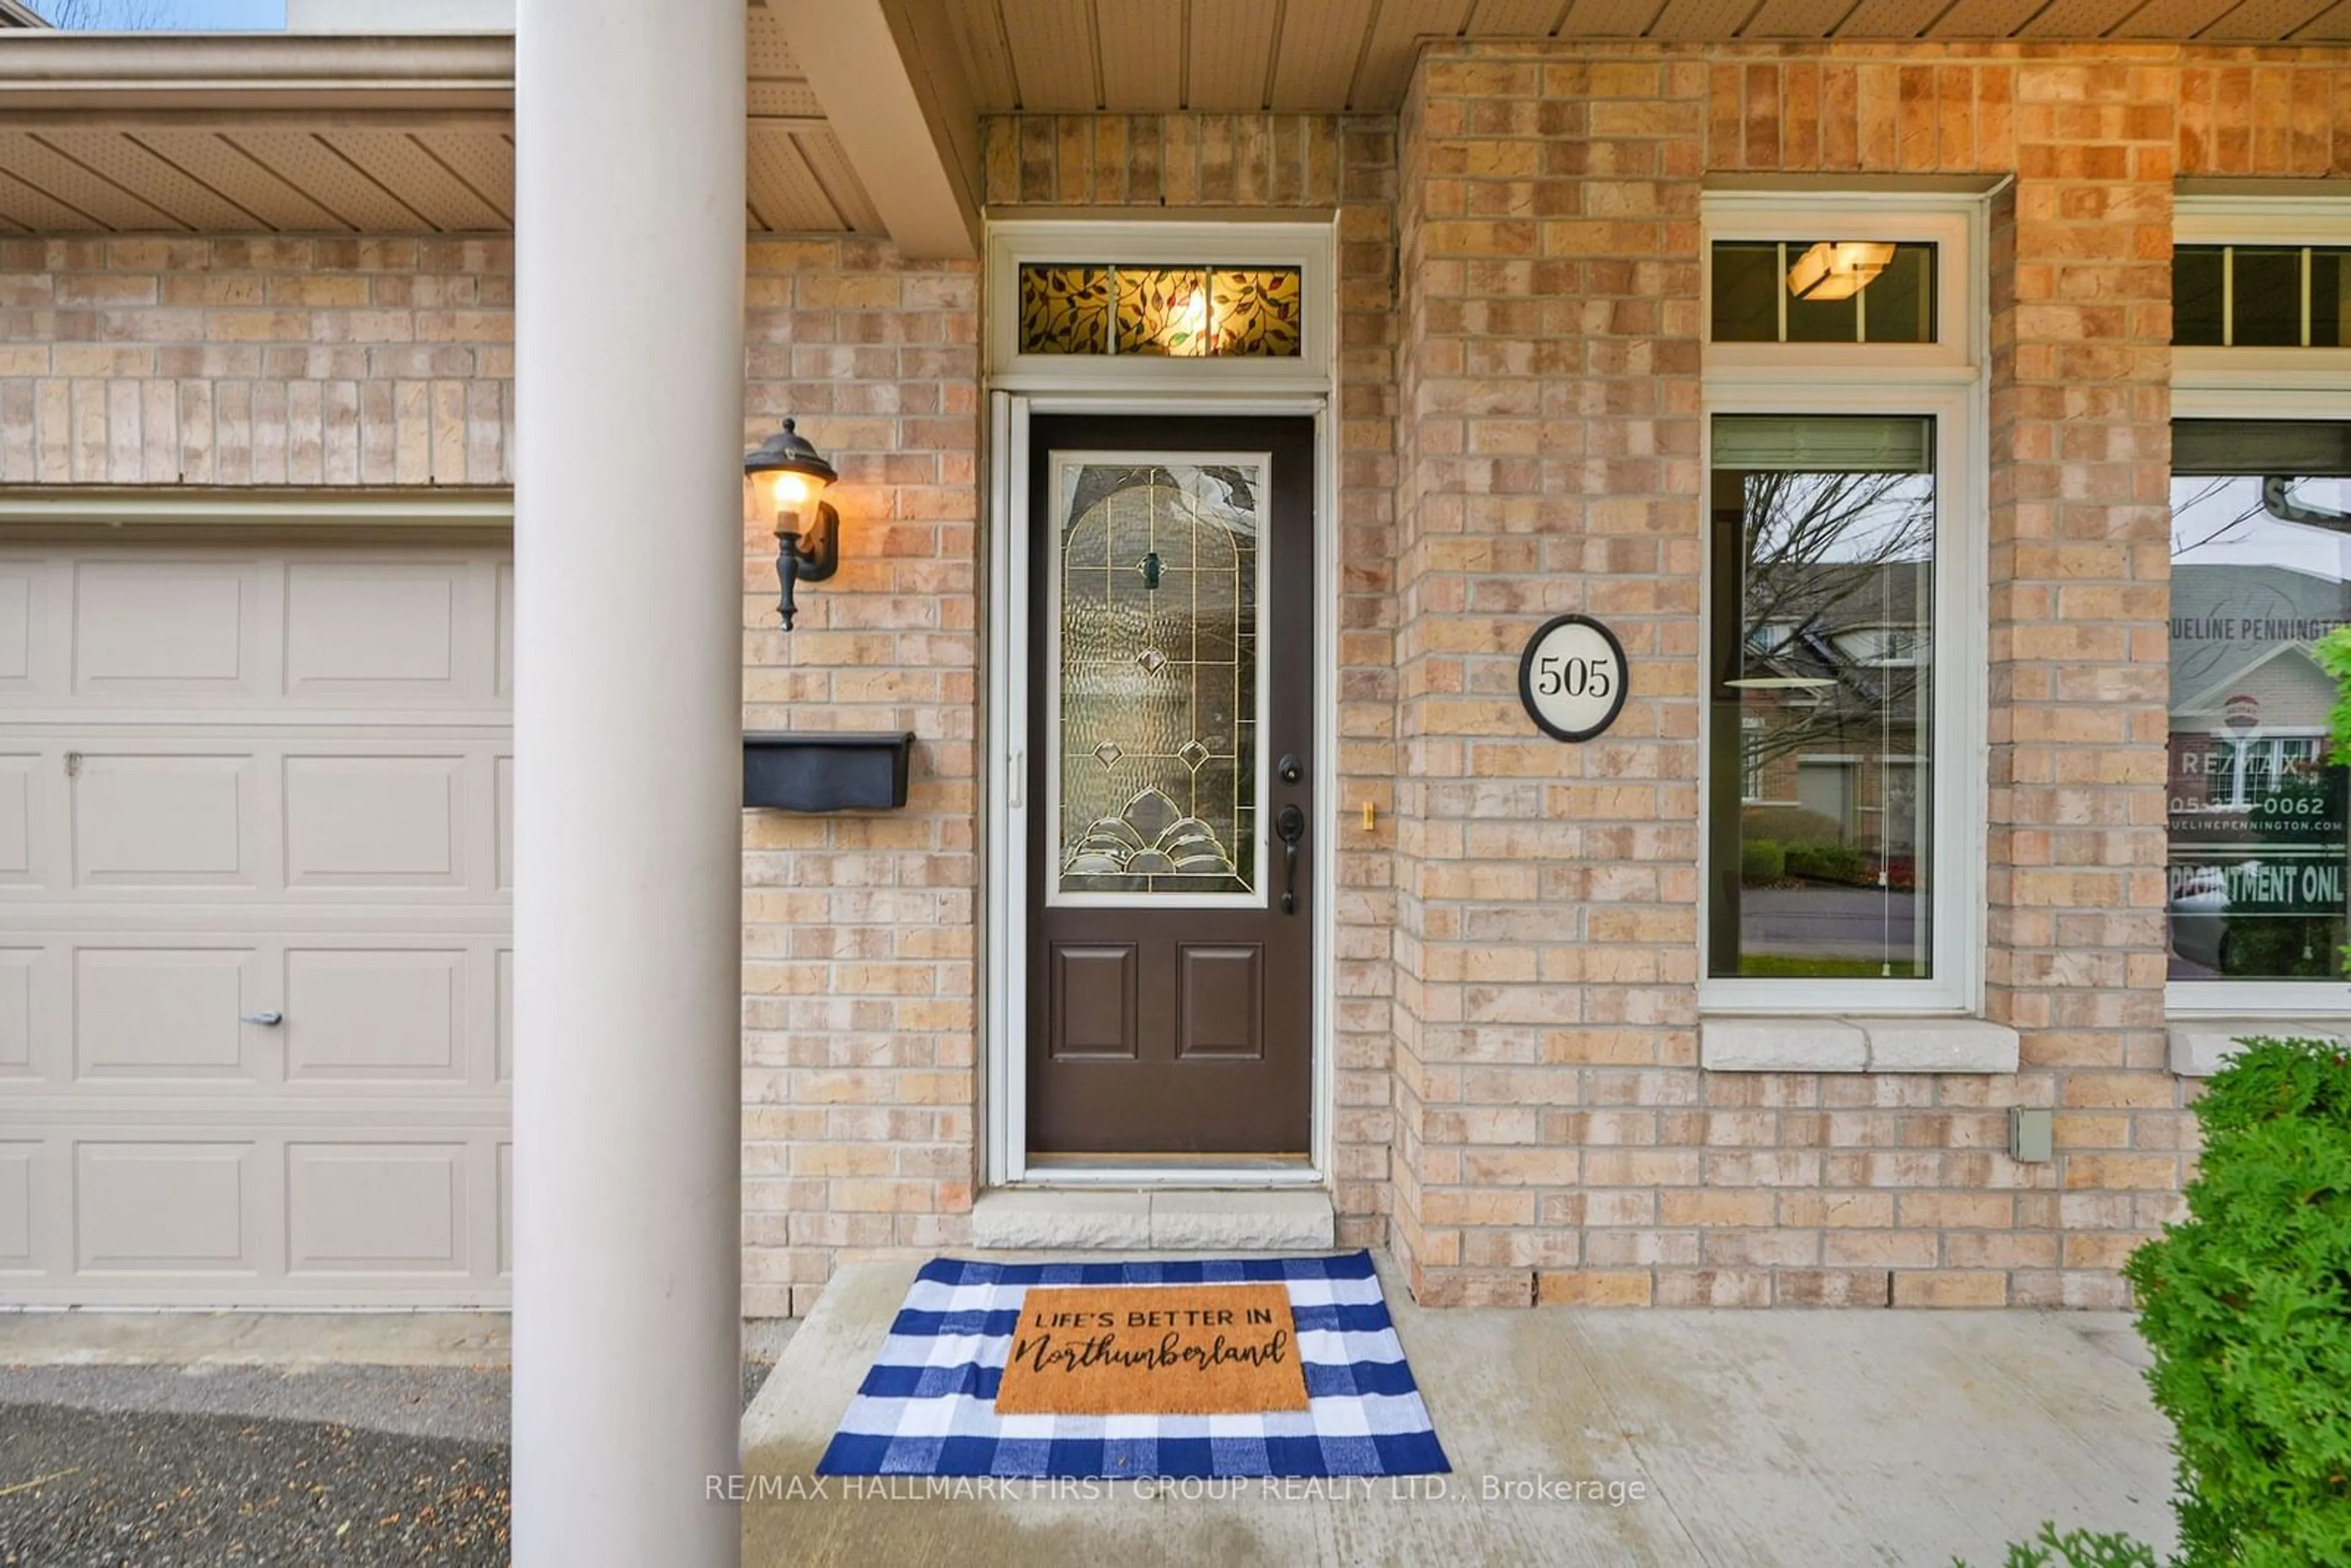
[{"x": 266, "y": 1020}]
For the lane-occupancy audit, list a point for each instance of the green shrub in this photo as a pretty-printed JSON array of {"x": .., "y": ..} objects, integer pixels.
[
  {"x": 1829, "y": 862},
  {"x": 2332, "y": 653},
  {"x": 2246, "y": 1307},
  {"x": 2280, "y": 948},
  {"x": 1761, "y": 861},
  {"x": 1790, "y": 825},
  {"x": 2078, "y": 1549}
]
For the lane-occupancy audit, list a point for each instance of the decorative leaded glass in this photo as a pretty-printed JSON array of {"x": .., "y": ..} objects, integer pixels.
[
  {"x": 1163, "y": 310},
  {"x": 1257, "y": 312},
  {"x": 1179, "y": 312},
  {"x": 1065, "y": 309},
  {"x": 1159, "y": 617}
]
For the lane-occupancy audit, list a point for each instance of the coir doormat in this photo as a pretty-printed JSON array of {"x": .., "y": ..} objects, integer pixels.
[{"x": 1287, "y": 1367}]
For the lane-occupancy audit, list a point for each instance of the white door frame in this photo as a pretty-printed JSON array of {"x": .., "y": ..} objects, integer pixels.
[{"x": 1005, "y": 744}]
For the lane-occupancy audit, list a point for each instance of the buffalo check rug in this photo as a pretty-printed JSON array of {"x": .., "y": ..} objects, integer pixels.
[{"x": 929, "y": 1404}]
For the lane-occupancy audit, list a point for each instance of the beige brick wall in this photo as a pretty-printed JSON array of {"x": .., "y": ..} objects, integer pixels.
[
  {"x": 860, "y": 932},
  {"x": 1556, "y": 1141},
  {"x": 256, "y": 361},
  {"x": 1548, "y": 1102}
]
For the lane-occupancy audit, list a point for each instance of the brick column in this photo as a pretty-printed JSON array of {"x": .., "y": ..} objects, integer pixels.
[
  {"x": 1547, "y": 940},
  {"x": 2081, "y": 325}
]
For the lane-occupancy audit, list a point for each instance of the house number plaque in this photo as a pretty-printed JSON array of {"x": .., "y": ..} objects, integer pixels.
[{"x": 1572, "y": 677}]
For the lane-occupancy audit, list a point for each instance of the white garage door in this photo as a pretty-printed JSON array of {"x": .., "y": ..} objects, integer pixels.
[{"x": 240, "y": 784}]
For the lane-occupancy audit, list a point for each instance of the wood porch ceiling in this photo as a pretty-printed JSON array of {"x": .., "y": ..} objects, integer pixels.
[
  {"x": 324, "y": 144},
  {"x": 1326, "y": 56}
]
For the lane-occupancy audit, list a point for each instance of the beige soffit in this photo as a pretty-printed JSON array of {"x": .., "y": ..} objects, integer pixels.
[
  {"x": 1329, "y": 56},
  {"x": 282, "y": 133}
]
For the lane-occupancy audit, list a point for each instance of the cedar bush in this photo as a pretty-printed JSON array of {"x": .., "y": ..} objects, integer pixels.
[
  {"x": 2077, "y": 1549},
  {"x": 2246, "y": 1307},
  {"x": 1761, "y": 861},
  {"x": 1830, "y": 863},
  {"x": 1790, "y": 825}
]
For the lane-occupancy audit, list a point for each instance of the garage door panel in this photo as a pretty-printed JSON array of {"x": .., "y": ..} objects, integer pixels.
[
  {"x": 385, "y": 1014},
  {"x": 22, "y": 623},
  {"x": 18, "y": 1251},
  {"x": 163, "y": 820},
  {"x": 374, "y": 822},
  {"x": 236, "y": 781},
  {"x": 155, "y": 628},
  {"x": 165, "y": 1014},
  {"x": 377, "y": 1208},
  {"x": 506, "y": 1015},
  {"x": 176, "y": 1206},
  {"x": 505, "y": 1211},
  {"x": 371, "y": 631},
  {"x": 20, "y": 800},
  {"x": 504, "y": 632},
  {"x": 505, "y": 824},
  {"x": 19, "y": 973}
]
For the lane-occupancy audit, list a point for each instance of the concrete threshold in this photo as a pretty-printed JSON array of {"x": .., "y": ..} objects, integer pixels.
[
  {"x": 1740, "y": 1439},
  {"x": 1165, "y": 1220}
]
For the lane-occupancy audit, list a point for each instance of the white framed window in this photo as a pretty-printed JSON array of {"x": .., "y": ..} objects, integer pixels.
[
  {"x": 2259, "y": 830},
  {"x": 1844, "y": 607},
  {"x": 1222, "y": 307}
]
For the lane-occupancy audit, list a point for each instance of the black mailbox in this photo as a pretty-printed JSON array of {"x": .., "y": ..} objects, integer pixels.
[{"x": 794, "y": 771}]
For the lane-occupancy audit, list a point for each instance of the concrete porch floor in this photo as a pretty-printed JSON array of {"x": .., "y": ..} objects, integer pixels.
[{"x": 1813, "y": 1439}]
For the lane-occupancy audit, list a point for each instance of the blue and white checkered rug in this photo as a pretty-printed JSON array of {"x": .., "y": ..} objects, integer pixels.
[{"x": 928, "y": 1406}]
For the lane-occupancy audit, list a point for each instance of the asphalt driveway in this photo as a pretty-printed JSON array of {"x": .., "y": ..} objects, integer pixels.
[
  {"x": 167, "y": 1467},
  {"x": 199, "y": 1441}
]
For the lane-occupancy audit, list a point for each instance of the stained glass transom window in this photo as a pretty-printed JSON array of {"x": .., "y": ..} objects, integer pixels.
[
  {"x": 1175, "y": 312},
  {"x": 1159, "y": 616}
]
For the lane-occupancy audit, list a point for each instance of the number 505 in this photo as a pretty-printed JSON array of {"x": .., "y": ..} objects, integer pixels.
[{"x": 1573, "y": 677}]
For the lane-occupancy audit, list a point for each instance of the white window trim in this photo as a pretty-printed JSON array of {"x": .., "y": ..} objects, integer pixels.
[
  {"x": 1311, "y": 248},
  {"x": 1954, "y": 225},
  {"x": 2261, "y": 220},
  {"x": 1944, "y": 380},
  {"x": 2200, "y": 392}
]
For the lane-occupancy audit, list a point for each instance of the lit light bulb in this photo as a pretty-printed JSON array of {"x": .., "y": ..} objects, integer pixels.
[
  {"x": 1186, "y": 329},
  {"x": 793, "y": 491}
]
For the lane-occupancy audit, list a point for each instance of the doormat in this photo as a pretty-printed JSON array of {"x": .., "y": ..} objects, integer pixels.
[{"x": 1276, "y": 1366}]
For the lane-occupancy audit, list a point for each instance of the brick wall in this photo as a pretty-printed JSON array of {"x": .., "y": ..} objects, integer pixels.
[
  {"x": 1549, "y": 1138},
  {"x": 1271, "y": 162},
  {"x": 861, "y": 933},
  {"x": 256, "y": 361},
  {"x": 1555, "y": 1139}
]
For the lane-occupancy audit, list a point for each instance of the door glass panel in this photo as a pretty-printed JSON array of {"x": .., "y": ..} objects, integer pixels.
[{"x": 1158, "y": 622}]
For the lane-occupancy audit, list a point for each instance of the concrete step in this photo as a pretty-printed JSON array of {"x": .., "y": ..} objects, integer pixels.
[{"x": 1159, "y": 1220}]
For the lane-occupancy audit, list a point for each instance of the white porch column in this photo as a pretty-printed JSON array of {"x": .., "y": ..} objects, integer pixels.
[{"x": 628, "y": 702}]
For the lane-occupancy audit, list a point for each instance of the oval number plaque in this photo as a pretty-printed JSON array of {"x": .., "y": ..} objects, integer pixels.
[{"x": 1572, "y": 677}]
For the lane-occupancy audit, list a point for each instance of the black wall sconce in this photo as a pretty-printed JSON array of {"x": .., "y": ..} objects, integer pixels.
[{"x": 784, "y": 481}]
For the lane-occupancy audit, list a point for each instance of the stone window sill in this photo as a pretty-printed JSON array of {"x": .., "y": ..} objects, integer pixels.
[
  {"x": 1854, "y": 1045},
  {"x": 2203, "y": 1046}
]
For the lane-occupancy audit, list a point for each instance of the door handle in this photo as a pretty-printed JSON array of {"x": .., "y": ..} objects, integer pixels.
[
  {"x": 266, "y": 1020},
  {"x": 1290, "y": 826}
]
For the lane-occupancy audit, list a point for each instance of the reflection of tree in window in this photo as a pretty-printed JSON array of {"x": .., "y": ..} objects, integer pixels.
[{"x": 1824, "y": 538}]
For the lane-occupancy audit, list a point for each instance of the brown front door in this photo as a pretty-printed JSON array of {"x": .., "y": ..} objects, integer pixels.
[{"x": 1171, "y": 847}]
